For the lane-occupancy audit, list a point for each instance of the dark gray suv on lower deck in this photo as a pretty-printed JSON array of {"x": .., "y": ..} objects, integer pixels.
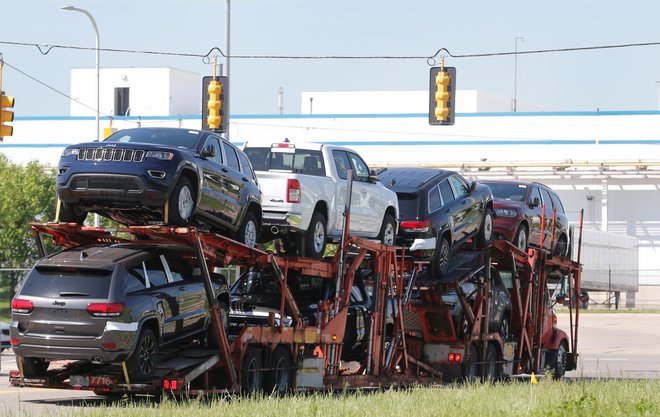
[{"x": 109, "y": 304}]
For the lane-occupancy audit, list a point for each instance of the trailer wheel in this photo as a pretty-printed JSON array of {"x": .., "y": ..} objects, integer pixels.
[
  {"x": 71, "y": 214},
  {"x": 33, "y": 367},
  {"x": 211, "y": 337},
  {"x": 493, "y": 370},
  {"x": 251, "y": 374},
  {"x": 181, "y": 203},
  {"x": 469, "y": 369},
  {"x": 315, "y": 236},
  {"x": 279, "y": 379},
  {"x": 485, "y": 235},
  {"x": 143, "y": 360},
  {"x": 557, "y": 360}
]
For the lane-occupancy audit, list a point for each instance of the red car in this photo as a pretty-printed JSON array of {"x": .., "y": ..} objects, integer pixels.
[{"x": 518, "y": 207}]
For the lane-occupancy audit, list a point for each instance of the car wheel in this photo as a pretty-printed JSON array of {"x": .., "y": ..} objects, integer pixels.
[
  {"x": 492, "y": 365},
  {"x": 142, "y": 362},
  {"x": 387, "y": 230},
  {"x": 248, "y": 233},
  {"x": 315, "y": 236},
  {"x": 504, "y": 328},
  {"x": 561, "y": 247},
  {"x": 251, "y": 374},
  {"x": 485, "y": 235},
  {"x": 211, "y": 336},
  {"x": 469, "y": 368},
  {"x": 69, "y": 213},
  {"x": 557, "y": 360},
  {"x": 181, "y": 203},
  {"x": 280, "y": 376},
  {"x": 441, "y": 258},
  {"x": 521, "y": 238},
  {"x": 32, "y": 367}
]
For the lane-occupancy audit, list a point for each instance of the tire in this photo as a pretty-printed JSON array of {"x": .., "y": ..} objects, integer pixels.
[
  {"x": 181, "y": 203},
  {"x": 504, "y": 329},
  {"x": 561, "y": 247},
  {"x": 251, "y": 372},
  {"x": 485, "y": 235},
  {"x": 387, "y": 230},
  {"x": 316, "y": 236},
  {"x": 33, "y": 367},
  {"x": 492, "y": 369},
  {"x": 69, "y": 213},
  {"x": 144, "y": 358},
  {"x": 248, "y": 233},
  {"x": 279, "y": 380},
  {"x": 522, "y": 238},
  {"x": 441, "y": 258},
  {"x": 211, "y": 337},
  {"x": 557, "y": 360},
  {"x": 469, "y": 368}
]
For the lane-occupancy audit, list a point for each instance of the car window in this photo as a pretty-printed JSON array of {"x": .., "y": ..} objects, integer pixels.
[
  {"x": 135, "y": 279},
  {"x": 445, "y": 192},
  {"x": 179, "y": 268},
  {"x": 259, "y": 158},
  {"x": 156, "y": 272},
  {"x": 213, "y": 141},
  {"x": 548, "y": 203},
  {"x": 52, "y": 282},
  {"x": 435, "y": 202},
  {"x": 341, "y": 163},
  {"x": 557, "y": 202},
  {"x": 511, "y": 192},
  {"x": 246, "y": 168},
  {"x": 257, "y": 283},
  {"x": 231, "y": 157},
  {"x": 356, "y": 295},
  {"x": 360, "y": 169},
  {"x": 536, "y": 193},
  {"x": 459, "y": 185}
]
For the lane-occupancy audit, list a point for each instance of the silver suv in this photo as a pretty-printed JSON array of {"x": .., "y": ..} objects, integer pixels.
[{"x": 109, "y": 304}]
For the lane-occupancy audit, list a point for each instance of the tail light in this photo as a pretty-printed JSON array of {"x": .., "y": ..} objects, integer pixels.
[
  {"x": 292, "y": 191},
  {"x": 105, "y": 309},
  {"x": 454, "y": 357},
  {"x": 14, "y": 342},
  {"x": 21, "y": 306},
  {"x": 415, "y": 225}
]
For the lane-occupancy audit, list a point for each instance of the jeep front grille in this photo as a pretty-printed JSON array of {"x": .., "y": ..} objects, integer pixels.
[{"x": 110, "y": 154}]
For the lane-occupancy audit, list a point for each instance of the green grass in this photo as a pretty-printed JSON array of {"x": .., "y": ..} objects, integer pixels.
[
  {"x": 612, "y": 311},
  {"x": 548, "y": 398}
]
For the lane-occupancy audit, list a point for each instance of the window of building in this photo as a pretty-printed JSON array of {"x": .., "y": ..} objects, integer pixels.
[{"x": 122, "y": 106}]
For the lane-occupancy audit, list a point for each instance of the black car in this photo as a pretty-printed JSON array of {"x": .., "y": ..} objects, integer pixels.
[
  {"x": 256, "y": 295},
  {"x": 176, "y": 176},
  {"x": 111, "y": 303},
  {"x": 439, "y": 211}
]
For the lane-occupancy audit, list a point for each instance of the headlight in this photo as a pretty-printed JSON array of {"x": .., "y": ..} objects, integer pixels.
[
  {"x": 70, "y": 151},
  {"x": 165, "y": 156},
  {"x": 505, "y": 212}
]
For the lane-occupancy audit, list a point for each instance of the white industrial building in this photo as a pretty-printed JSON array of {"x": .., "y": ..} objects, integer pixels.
[{"x": 605, "y": 163}]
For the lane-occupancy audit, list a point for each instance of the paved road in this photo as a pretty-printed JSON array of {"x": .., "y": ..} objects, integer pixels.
[{"x": 610, "y": 345}]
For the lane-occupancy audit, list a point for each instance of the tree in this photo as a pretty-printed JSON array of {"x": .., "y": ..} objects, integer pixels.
[{"x": 27, "y": 195}]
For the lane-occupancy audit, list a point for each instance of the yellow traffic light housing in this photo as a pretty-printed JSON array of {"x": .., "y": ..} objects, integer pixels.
[
  {"x": 442, "y": 91},
  {"x": 6, "y": 116},
  {"x": 214, "y": 103}
]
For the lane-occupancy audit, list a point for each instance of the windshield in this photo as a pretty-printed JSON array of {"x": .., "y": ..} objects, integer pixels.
[
  {"x": 257, "y": 283},
  {"x": 180, "y": 138},
  {"x": 512, "y": 192}
]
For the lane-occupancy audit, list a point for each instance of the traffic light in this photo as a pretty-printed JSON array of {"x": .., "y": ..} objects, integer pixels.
[
  {"x": 442, "y": 92},
  {"x": 6, "y": 116},
  {"x": 214, "y": 103}
]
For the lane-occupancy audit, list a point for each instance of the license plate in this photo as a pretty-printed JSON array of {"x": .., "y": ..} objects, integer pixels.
[
  {"x": 90, "y": 381},
  {"x": 79, "y": 381}
]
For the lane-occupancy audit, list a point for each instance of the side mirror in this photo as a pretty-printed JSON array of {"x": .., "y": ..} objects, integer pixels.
[
  {"x": 473, "y": 186},
  {"x": 373, "y": 177},
  {"x": 208, "y": 151},
  {"x": 535, "y": 202}
]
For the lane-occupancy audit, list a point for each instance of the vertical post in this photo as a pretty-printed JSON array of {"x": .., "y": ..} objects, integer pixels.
[
  {"x": 603, "y": 208},
  {"x": 227, "y": 59}
]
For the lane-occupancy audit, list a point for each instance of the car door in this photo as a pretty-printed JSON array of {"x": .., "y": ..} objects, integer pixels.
[
  {"x": 342, "y": 165},
  {"x": 235, "y": 181},
  {"x": 368, "y": 201},
  {"x": 561, "y": 221},
  {"x": 164, "y": 297},
  {"x": 470, "y": 210},
  {"x": 190, "y": 293},
  {"x": 533, "y": 209},
  {"x": 213, "y": 199},
  {"x": 547, "y": 232}
]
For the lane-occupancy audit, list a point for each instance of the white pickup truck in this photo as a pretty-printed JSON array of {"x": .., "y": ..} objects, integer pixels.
[{"x": 304, "y": 192}]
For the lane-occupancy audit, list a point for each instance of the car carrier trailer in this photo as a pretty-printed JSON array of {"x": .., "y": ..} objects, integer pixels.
[{"x": 297, "y": 357}]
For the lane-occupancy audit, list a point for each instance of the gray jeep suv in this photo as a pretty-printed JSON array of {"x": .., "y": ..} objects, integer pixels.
[{"x": 111, "y": 303}]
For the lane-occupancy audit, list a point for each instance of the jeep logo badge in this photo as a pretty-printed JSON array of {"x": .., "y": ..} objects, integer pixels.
[{"x": 59, "y": 303}]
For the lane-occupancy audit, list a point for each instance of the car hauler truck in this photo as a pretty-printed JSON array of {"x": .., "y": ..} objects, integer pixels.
[{"x": 412, "y": 338}]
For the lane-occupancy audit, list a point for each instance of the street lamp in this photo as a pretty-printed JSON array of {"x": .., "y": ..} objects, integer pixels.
[
  {"x": 514, "y": 104},
  {"x": 97, "y": 220},
  {"x": 96, "y": 32}
]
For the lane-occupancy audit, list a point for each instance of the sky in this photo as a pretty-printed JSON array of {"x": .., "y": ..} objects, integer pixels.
[{"x": 612, "y": 79}]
